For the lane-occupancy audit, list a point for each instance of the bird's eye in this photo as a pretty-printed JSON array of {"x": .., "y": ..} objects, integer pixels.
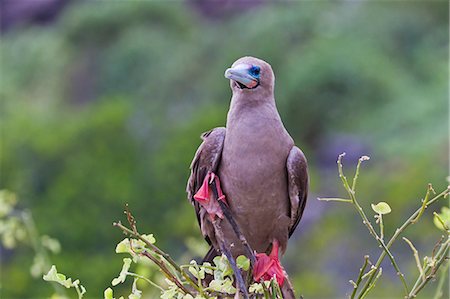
[{"x": 255, "y": 70}]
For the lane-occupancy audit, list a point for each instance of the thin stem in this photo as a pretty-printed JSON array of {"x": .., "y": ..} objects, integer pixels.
[
  {"x": 147, "y": 280},
  {"x": 424, "y": 203},
  {"x": 80, "y": 290},
  {"x": 380, "y": 217},
  {"x": 166, "y": 272},
  {"x": 334, "y": 199},
  {"x": 361, "y": 272},
  {"x": 416, "y": 257},
  {"x": 355, "y": 178},
  {"x": 373, "y": 284},
  {"x": 372, "y": 269},
  {"x": 226, "y": 211},
  {"x": 224, "y": 248},
  {"x": 265, "y": 289}
]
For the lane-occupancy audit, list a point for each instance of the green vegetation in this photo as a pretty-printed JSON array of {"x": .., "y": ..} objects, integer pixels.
[{"x": 105, "y": 107}]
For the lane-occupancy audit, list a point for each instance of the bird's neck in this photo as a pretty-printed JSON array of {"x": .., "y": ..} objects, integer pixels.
[{"x": 243, "y": 108}]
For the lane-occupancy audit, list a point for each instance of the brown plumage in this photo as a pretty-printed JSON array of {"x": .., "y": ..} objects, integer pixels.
[{"x": 263, "y": 174}]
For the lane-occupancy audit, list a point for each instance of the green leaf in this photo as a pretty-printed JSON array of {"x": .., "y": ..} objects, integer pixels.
[
  {"x": 442, "y": 219},
  {"x": 136, "y": 246},
  {"x": 135, "y": 292},
  {"x": 53, "y": 275},
  {"x": 223, "y": 286},
  {"x": 256, "y": 288},
  {"x": 108, "y": 294},
  {"x": 123, "y": 274},
  {"x": 123, "y": 246},
  {"x": 381, "y": 208},
  {"x": 207, "y": 267},
  {"x": 169, "y": 294},
  {"x": 193, "y": 271},
  {"x": 243, "y": 262},
  {"x": 150, "y": 238}
]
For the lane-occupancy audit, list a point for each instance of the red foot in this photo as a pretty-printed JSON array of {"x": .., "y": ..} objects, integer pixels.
[
  {"x": 204, "y": 196},
  {"x": 268, "y": 266}
]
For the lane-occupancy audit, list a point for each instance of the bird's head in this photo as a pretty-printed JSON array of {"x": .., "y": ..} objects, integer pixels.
[{"x": 250, "y": 74}]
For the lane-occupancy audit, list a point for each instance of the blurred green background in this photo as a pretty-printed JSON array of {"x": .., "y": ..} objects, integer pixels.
[{"x": 103, "y": 104}]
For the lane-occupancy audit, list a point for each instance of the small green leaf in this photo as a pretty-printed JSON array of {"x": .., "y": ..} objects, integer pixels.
[
  {"x": 108, "y": 294},
  {"x": 442, "y": 219},
  {"x": 243, "y": 262},
  {"x": 169, "y": 294},
  {"x": 193, "y": 271},
  {"x": 256, "y": 288},
  {"x": 150, "y": 238},
  {"x": 135, "y": 292},
  {"x": 53, "y": 275},
  {"x": 123, "y": 246},
  {"x": 224, "y": 286},
  {"x": 381, "y": 208},
  {"x": 207, "y": 267},
  {"x": 123, "y": 274}
]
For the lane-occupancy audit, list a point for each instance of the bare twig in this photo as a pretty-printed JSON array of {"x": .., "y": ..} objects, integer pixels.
[
  {"x": 416, "y": 257},
  {"x": 224, "y": 249},
  {"x": 441, "y": 256},
  {"x": 166, "y": 271},
  {"x": 360, "y": 276},
  {"x": 334, "y": 199},
  {"x": 373, "y": 284},
  {"x": 226, "y": 211}
]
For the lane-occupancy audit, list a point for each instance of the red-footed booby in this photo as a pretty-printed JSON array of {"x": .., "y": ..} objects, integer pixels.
[{"x": 259, "y": 172}]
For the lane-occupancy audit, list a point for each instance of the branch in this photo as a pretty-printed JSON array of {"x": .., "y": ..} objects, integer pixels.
[
  {"x": 158, "y": 251},
  {"x": 440, "y": 257},
  {"x": 416, "y": 257},
  {"x": 366, "y": 221},
  {"x": 360, "y": 276},
  {"x": 400, "y": 230}
]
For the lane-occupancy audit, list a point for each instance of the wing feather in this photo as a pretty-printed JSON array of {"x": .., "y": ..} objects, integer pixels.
[
  {"x": 297, "y": 168},
  {"x": 207, "y": 158}
]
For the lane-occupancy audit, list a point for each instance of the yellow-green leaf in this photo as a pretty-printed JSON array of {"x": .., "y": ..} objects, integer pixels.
[
  {"x": 243, "y": 262},
  {"x": 381, "y": 208}
]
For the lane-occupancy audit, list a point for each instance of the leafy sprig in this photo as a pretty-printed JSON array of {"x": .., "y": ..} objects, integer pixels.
[{"x": 366, "y": 281}]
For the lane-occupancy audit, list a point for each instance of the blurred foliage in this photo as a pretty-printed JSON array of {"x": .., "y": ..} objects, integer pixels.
[{"x": 104, "y": 107}]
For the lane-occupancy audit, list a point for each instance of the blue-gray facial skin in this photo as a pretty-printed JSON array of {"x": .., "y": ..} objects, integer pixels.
[{"x": 254, "y": 71}]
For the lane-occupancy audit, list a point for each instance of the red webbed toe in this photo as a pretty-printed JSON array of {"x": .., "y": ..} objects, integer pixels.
[
  {"x": 205, "y": 196},
  {"x": 269, "y": 266}
]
